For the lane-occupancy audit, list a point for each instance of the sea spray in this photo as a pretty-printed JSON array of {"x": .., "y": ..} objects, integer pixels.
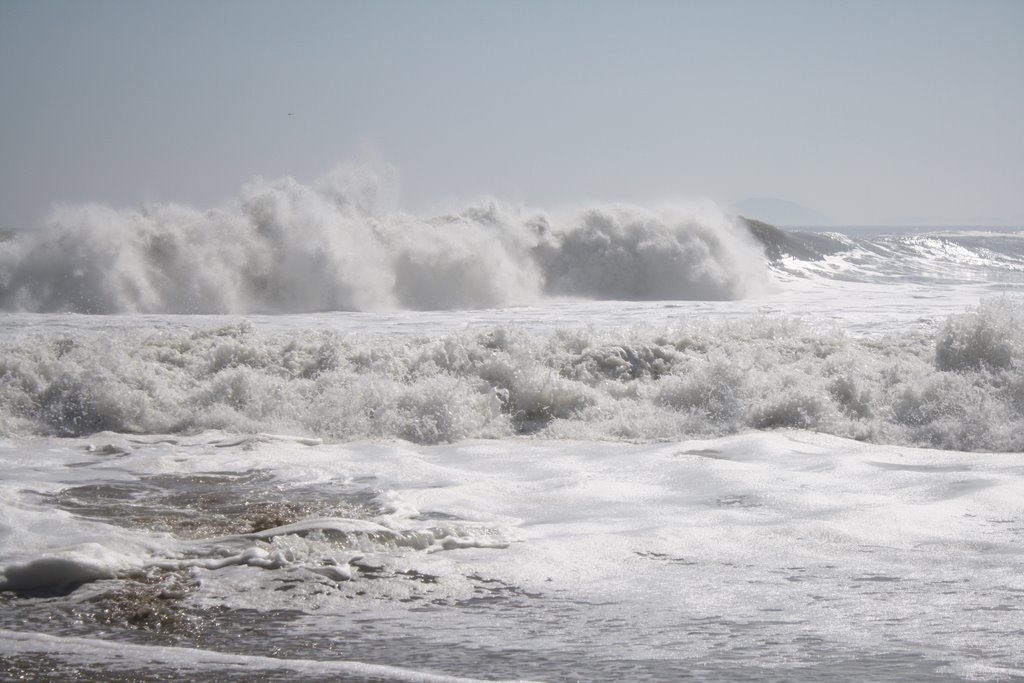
[{"x": 339, "y": 244}]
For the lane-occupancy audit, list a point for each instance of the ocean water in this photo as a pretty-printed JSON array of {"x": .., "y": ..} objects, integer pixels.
[{"x": 309, "y": 437}]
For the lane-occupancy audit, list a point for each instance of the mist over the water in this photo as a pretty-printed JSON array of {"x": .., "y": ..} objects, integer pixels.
[{"x": 339, "y": 244}]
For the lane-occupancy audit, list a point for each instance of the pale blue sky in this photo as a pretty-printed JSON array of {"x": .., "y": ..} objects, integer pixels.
[{"x": 908, "y": 111}]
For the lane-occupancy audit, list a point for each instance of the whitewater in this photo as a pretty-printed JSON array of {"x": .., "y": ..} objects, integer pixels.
[{"x": 310, "y": 436}]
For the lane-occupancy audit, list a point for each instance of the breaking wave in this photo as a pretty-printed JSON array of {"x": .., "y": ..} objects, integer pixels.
[
  {"x": 968, "y": 256},
  {"x": 338, "y": 245},
  {"x": 961, "y": 387}
]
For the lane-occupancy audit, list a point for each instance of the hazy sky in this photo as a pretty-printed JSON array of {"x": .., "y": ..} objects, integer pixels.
[{"x": 869, "y": 112}]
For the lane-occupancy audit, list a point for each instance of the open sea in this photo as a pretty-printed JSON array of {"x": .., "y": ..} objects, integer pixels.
[{"x": 310, "y": 438}]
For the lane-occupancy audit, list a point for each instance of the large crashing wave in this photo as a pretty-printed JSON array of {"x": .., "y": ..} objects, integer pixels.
[{"x": 337, "y": 245}]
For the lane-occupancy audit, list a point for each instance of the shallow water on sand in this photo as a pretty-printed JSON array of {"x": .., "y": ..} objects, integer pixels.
[{"x": 785, "y": 556}]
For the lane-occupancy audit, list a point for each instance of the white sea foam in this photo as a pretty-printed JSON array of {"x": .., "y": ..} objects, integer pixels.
[{"x": 959, "y": 385}]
